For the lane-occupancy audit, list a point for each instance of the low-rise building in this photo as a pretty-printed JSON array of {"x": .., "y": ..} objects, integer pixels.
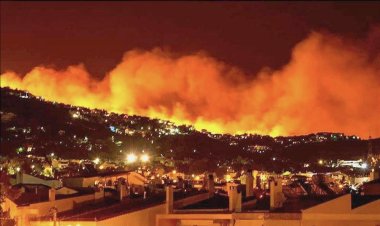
[
  {"x": 347, "y": 210},
  {"x": 32, "y": 200},
  {"x": 24, "y": 178},
  {"x": 122, "y": 211},
  {"x": 106, "y": 179}
]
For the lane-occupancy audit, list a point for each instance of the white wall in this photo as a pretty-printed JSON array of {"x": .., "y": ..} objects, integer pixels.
[
  {"x": 29, "y": 179},
  {"x": 43, "y": 208},
  {"x": 338, "y": 212}
]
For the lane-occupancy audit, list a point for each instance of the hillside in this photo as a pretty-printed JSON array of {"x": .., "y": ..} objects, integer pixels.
[{"x": 31, "y": 125}]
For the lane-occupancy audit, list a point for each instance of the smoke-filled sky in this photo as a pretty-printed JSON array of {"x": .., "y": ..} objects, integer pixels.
[{"x": 269, "y": 68}]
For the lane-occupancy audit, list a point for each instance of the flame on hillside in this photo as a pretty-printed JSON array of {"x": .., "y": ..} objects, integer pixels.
[{"x": 327, "y": 86}]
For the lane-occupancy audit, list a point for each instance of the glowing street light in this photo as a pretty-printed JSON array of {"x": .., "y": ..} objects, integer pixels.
[
  {"x": 96, "y": 161},
  {"x": 75, "y": 115},
  {"x": 131, "y": 158},
  {"x": 144, "y": 158},
  {"x": 320, "y": 162}
]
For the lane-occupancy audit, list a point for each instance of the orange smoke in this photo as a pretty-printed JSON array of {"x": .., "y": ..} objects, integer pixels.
[{"x": 327, "y": 86}]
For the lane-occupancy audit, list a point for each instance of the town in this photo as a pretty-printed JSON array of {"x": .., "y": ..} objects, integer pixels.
[{"x": 189, "y": 113}]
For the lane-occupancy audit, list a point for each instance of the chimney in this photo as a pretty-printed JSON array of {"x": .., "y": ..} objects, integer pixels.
[
  {"x": 249, "y": 184},
  {"x": 19, "y": 178},
  {"x": 238, "y": 201},
  {"x": 169, "y": 199},
  {"x": 52, "y": 194},
  {"x": 255, "y": 172},
  {"x": 231, "y": 190},
  {"x": 123, "y": 191},
  {"x": 210, "y": 185},
  {"x": 276, "y": 196},
  {"x": 234, "y": 197},
  {"x": 374, "y": 174}
]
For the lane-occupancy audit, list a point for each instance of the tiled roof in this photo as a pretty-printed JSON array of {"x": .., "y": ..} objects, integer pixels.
[{"x": 35, "y": 193}]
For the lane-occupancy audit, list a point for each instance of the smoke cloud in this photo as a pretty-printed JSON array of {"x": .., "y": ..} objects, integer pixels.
[{"x": 330, "y": 84}]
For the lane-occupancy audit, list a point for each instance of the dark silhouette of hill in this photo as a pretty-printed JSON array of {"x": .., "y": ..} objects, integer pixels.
[{"x": 31, "y": 125}]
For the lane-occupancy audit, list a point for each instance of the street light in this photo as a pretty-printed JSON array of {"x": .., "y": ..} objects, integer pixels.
[
  {"x": 144, "y": 158},
  {"x": 131, "y": 158}
]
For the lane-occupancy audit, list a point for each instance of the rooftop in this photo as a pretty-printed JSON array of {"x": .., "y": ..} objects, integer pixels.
[
  {"x": 103, "y": 174},
  {"x": 296, "y": 205},
  {"x": 35, "y": 193},
  {"x": 219, "y": 203},
  {"x": 291, "y": 205},
  {"x": 112, "y": 206},
  {"x": 360, "y": 200},
  {"x": 215, "y": 202}
]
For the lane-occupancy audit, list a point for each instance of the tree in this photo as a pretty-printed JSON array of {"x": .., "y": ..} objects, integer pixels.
[
  {"x": 4, "y": 192},
  {"x": 201, "y": 166}
]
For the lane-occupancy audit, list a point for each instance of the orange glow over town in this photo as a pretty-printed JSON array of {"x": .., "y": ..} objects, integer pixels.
[{"x": 329, "y": 84}]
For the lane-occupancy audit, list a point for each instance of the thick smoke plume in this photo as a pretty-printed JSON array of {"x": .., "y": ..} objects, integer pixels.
[{"x": 328, "y": 85}]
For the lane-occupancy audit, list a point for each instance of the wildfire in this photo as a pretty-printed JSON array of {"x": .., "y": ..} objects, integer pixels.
[{"x": 326, "y": 86}]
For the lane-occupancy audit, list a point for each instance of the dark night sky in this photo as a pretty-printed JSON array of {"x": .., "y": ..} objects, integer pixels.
[{"x": 250, "y": 35}]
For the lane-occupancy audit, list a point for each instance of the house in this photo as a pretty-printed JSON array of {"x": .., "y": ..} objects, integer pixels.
[
  {"x": 234, "y": 210},
  {"x": 106, "y": 179},
  {"x": 34, "y": 200},
  {"x": 122, "y": 211},
  {"x": 23, "y": 178}
]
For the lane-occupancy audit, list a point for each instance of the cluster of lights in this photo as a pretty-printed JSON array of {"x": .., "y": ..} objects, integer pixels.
[
  {"x": 131, "y": 158},
  {"x": 75, "y": 115},
  {"x": 144, "y": 158},
  {"x": 96, "y": 161}
]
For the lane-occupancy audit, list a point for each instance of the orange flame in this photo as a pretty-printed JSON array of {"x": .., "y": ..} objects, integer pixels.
[{"x": 327, "y": 86}]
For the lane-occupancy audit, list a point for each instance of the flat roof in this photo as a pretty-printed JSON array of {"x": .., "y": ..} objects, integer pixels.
[
  {"x": 291, "y": 205},
  {"x": 215, "y": 202},
  {"x": 112, "y": 206},
  {"x": 103, "y": 174}
]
